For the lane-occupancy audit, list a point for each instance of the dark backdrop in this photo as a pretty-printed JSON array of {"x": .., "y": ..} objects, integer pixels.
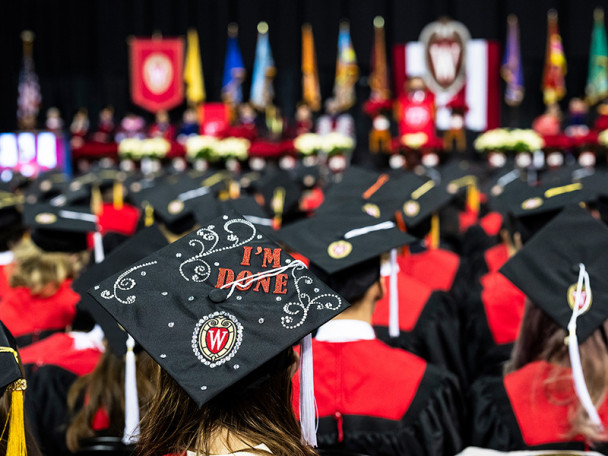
[{"x": 81, "y": 45}]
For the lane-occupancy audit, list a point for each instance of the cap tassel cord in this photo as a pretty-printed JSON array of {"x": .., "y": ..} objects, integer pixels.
[
  {"x": 245, "y": 282},
  {"x": 98, "y": 247},
  {"x": 16, "y": 444},
  {"x": 434, "y": 234},
  {"x": 131, "y": 431},
  {"x": 118, "y": 195},
  {"x": 308, "y": 405},
  {"x": 575, "y": 360},
  {"x": 368, "y": 229},
  {"x": 393, "y": 321}
]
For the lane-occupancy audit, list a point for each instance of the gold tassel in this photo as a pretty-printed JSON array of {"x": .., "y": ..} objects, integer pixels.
[
  {"x": 473, "y": 198},
  {"x": 96, "y": 200},
  {"x": 16, "y": 445},
  {"x": 277, "y": 204},
  {"x": 434, "y": 234},
  {"x": 117, "y": 193},
  {"x": 148, "y": 215}
]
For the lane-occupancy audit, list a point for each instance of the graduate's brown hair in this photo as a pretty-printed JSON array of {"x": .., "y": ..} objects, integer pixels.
[
  {"x": 540, "y": 338},
  {"x": 43, "y": 272},
  {"x": 104, "y": 388},
  {"x": 256, "y": 410}
]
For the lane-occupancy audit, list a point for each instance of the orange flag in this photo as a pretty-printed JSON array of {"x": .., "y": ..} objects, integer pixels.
[{"x": 311, "y": 93}]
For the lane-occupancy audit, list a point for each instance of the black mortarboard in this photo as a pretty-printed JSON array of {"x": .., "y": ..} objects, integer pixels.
[
  {"x": 10, "y": 370},
  {"x": 11, "y": 226},
  {"x": 139, "y": 246},
  {"x": 205, "y": 337},
  {"x": 524, "y": 201},
  {"x": 248, "y": 207},
  {"x": 546, "y": 269},
  {"x": 281, "y": 194},
  {"x": 59, "y": 229},
  {"x": 46, "y": 186}
]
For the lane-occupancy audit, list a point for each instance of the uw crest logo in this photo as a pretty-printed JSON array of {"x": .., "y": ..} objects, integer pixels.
[
  {"x": 216, "y": 339},
  {"x": 372, "y": 210},
  {"x": 158, "y": 73},
  {"x": 572, "y": 297},
  {"x": 339, "y": 249},
  {"x": 411, "y": 208}
]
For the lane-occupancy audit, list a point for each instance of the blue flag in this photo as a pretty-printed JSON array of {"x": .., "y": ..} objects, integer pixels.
[
  {"x": 512, "y": 70},
  {"x": 262, "y": 91},
  {"x": 234, "y": 71}
]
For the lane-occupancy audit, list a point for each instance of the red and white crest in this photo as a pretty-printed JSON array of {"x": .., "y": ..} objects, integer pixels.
[
  {"x": 445, "y": 43},
  {"x": 217, "y": 338}
]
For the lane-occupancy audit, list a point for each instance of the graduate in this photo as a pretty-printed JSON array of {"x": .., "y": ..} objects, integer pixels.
[
  {"x": 552, "y": 395},
  {"x": 372, "y": 399},
  {"x": 219, "y": 310}
]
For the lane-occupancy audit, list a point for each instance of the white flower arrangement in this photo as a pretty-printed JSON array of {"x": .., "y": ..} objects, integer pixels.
[
  {"x": 501, "y": 139},
  {"x": 231, "y": 148},
  {"x": 602, "y": 138},
  {"x": 136, "y": 149},
  {"x": 201, "y": 147},
  {"x": 308, "y": 144},
  {"x": 337, "y": 144}
]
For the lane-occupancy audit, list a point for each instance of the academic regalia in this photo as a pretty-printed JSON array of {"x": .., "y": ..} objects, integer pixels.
[
  {"x": 31, "y": 318},
  {"x": 429, "y": 324},
  {"x": 514, "y": 413},
  {"x": 494, "y": 312},
  {"x": 489, "y": 260},
  {"x": 377, "y": 400}
]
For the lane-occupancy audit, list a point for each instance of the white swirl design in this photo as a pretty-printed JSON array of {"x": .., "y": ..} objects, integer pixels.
[{"x": 124, "y": 283}]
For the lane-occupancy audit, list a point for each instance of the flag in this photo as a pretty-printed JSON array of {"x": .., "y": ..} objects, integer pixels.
[
  {"x": 554, "y": 85},
  {"x": 264, "y": 71},
  {"x": 597, "y": 81},
  {"x": 234, "y": 69},
  {"x": 378, "y": 79},
  {"x": 29, "y": 98},
  {"x": 193, "y": 71},
  {"x": 311, "y": 93},
  {"x": 512, "y": 69},
  {"x": 157, "y": 66},
  {"x": 347, "y": 70}
]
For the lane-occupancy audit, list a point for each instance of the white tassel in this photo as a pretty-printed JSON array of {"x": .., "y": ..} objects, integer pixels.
[
  {"x": 98, "y": 246},
  {"x": 308, "y": 406},
  {"x": 131, "y": 432},
  {"x": 580, "y": 385},
  {"x": 393, "y": 295}
]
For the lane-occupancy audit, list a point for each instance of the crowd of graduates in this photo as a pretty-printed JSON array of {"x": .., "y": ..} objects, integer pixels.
[{"x": 443, "y": 303}]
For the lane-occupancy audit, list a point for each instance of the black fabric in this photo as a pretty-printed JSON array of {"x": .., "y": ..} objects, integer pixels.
[
  {"x": 9, "y": 366},
  {"x": 28, "y": 339},
  {"x": 352, "y": 282},
  {"x": 431, "y": 426},
  {"x": 46, "y": 406},
  {"x": 436, "y": 337}
]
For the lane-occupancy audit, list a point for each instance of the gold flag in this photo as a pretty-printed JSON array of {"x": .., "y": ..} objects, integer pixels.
[
  {"x": 193, "y": 71},
  {"x": 311, "y": 93}
]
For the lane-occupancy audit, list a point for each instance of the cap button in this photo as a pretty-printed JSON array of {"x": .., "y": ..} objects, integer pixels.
[{"x": 218, "y": 295}]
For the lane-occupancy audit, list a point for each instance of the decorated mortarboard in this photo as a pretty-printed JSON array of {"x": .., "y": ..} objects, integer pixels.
[
  {"x": 46, "y": 186},
  {"x": 215, "y": 305},
  {"x": 562, "y": 270},
  {"x": 523, "y": 200},
  {"x": 335, "y": 242},
  {"x": 59, "y": 228},
  {"x": 11, "y": 380},
  {"x": 281, "y": 194},
  {"x": 351, "y": 182},
  {"x": 424, "y": 201},
  {"x": 139, "y": 246},
  {"x": 248, "y": 207},
  {"x": 459, "y": 174}
]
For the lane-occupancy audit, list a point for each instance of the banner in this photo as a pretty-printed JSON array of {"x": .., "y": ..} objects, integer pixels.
[
  {"x": 554, "y": 84},
  {"x": 311, "y": 92},
  {"x": 262, "y": 91},
  {"x": 597, "y": 80},
  {"x": 234, "y": 69},
  {"x": 157, "y": 66},
  {"x": 512, "y": 69},
  {"x": 347, "y": 71},
  {"x": 193, "y": 71},
  {"x": 378, "y": 79}
]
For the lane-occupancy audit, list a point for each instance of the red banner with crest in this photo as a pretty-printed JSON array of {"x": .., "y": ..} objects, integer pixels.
[{"x": 157, "y": 67}]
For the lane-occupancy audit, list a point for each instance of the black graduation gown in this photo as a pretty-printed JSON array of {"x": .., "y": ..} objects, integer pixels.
[
  {"x": 382, "y": 401},
  {"x": 510, "y": 414}
]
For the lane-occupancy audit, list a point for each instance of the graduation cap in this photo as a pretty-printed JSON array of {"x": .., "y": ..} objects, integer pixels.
[
  {"x": 281, "y": 194},
  {"x": 248, "y": 207},
  {"x": 217, "y": 304},
  {"x": 46, "y": 186},
  {"x": 562, "y": 271},
  {"x": 346, "y": 249},
  {"x": 139, "y": 246},
  {"x": 10, "y": 219},
  {"x": 12, "y": 380},
  {"x": 59, "y": 229}
]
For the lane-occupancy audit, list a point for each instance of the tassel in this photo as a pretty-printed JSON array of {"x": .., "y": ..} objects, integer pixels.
[
  {"x": 393, "y": 321},
  {"x": 148, "y": 215},
  {"x": 473, "y": 197},
  {"x": 434, "y": 234},
  {"x": 277, "y": 204},
  {"x": 131, "y": 431},
  {"x": 96, "y": 201},
  {"x": 117, "y": 193},
  {"x": 308, "y": 406},
  {"x": 16, "y": 445},
  {"x": 98, "y": 247}
]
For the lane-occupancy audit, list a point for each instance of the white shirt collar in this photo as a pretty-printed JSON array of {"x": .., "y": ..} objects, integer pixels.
[
  {"x": 345, "y": 331},
  {"x": 6, "y": 258}
]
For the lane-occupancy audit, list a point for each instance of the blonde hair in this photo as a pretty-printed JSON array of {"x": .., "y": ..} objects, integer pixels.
[
  {"x": 43, "y": 272},
  {"x": 542, "y": 339}
]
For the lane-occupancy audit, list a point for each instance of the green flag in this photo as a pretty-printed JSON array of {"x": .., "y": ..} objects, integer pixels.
[{"x": 597, "y": 82}]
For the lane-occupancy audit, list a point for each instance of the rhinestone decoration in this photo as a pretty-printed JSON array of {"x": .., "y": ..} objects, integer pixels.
[
  {"x": 171, "y": 324},
  {"x": 278, "y": 298},
  {"x": 178, "y": 255},
  {"x": 238, "y": 298},
  {"x": 164, "y": 293},
  {"x": 261, "y": 320},
  {"x": 191, "y": 298},
  {"x": 97, "y": 287},
  {"x": 143, "y": 273},
  {"x": 203, "y": 387},
  {"x": 163, "y": 355},
  {"x": 236, "y": 366}
]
